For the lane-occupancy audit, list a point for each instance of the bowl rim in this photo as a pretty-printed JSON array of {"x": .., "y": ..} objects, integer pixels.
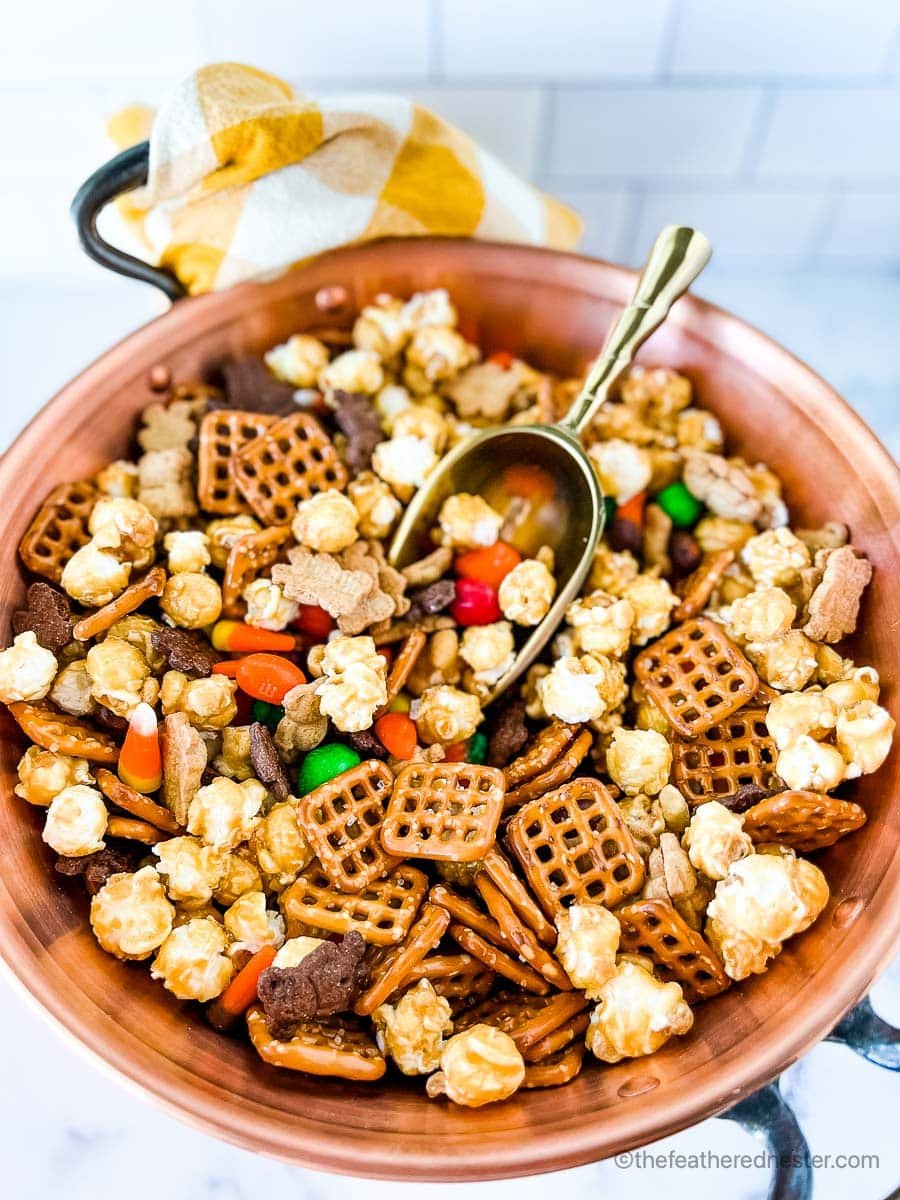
[{"x": 714, "y": 1087}]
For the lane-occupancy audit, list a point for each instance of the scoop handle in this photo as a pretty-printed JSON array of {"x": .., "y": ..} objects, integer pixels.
[{"x": 678, "y": 256}]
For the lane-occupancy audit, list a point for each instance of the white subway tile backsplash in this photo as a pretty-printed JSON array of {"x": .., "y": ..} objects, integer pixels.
[
  {"x": 605, "y": 215},
  {"x": 505, "y": 121},
  {"x": 834, "y": 133},
  {"x": 651, "y": 131},
  {"x": 94, "y": 41},
  {"x": 302, "y": 39},
  {"x": 865, "y": 225},
  {"x": 741, "y": 224},
  {"x": 568, "y": 39},
  {"x": 793, "y": 40}
]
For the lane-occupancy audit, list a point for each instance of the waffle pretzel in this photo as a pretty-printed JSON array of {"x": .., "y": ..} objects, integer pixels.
[
  {"x": 575, "y": 848},
  {"x": 805, "y": 821},
  {"x": 697, "y": 588},
  {"x": 736, "y": 752},
  {"x": 146, "y": 588},
  {"x": 654, "y": 928},
  {"x": 342, "y": 819},
  {"x": 248, "y": 558},
  {"x": 557, "y": 1069},
  {"x": 58, "y": 529},
  {"x": 382, "y": 913},
  {"x": 518, "y": 936},
  {"x": 328, "y": 1046},
  {"x": 445, "y": 811},
  {"x": 289, "y": 461},
  {"x": 556, "y": 774},
  {"x": 135, "y": 803},
  {"x": 389, "y": 968},
  {"x": 498, "y": 961},
  {"x": 222, "y": 434},
  {"x": 500, "y": 872},
  {"x": 696, "y": 675},
  {"x": 63, "y": 734},
  {"x": 401, "y": 668}
]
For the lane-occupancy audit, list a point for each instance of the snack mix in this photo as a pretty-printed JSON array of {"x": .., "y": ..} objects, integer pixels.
[{"x": 275, "y": 762}]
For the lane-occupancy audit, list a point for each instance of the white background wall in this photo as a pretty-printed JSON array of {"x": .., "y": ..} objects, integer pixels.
[{"x": 772, "y": 124}]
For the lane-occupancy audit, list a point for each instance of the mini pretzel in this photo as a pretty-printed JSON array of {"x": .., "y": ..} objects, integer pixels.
[
  {"x": 63, "y": 734},
  {"x": 499, "y": 962},
  {"x": 445, "y": 811},
  {"x": 248, "y": 558},
  {"x": 554, "y": 1041},
  {"x": 131, "y": 830},
  {"x": 134, "y": 803},
  {"x": 150, "y": 585},
  {"x": 507, "y": 1011},
  {"x": 696, "y": 675},
  {"x": 392, "y": 967},
  {"x": 329, "y": 1046},
  {"x": 538, "y": 1025},
  {"x": 805, "y": 821},
  {"x": 518, "y": 936},
  {"x": 383, "y": 913},
  {"x": 467, "y": 913},
  {"x": 575, "y": 848},
  {"x": 289, "y": 462},
  {"x": 698, "y": 587},
  {"x": 58, "y": 529},
  {"x": 552, "y": 741},
  {"x": 555, "y": 775},
  {"x": 342, "y": 820},
  {"x": 222, "y": 434},
  {"x": 654, "y": 928},
  {"x": 736, "y": 752},
  {"x": 556, "y": 1069},
  {"x": 454, "y": 976},
  {"x": 500, "y": 872},
  {"x": 401, "y": 668}
]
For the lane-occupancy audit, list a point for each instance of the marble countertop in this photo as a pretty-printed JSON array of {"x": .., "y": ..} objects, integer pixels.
[{"x": 69, "y": 1128}]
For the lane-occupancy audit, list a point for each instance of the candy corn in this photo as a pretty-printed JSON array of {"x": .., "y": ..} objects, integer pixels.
[
  {"x": 140, "y": 762},
  {"x": 235, "y": 636}
]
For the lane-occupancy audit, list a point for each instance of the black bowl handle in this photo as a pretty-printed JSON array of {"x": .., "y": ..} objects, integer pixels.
[{"x": 121, "y": 174}]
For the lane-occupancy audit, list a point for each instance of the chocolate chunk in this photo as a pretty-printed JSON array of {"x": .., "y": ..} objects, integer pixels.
[
  {"x": 357, "y": 419},
  {"x": 325, "y": 982},
  {"x": 96, "y": 868},
  {"x": 110, "y": 721},
  {"x": 251, "y": 387},
  {"x": 625, "y": 534},
  {"x": 366, "y": 744},
  {"x": 434, "y": 598},
  {"x": 267, "y": 765},
  {"x": 745, "y": 797},
  {"x": 184, "y": 650},
  {"x": 509, "y": 734},
  {"x": 47, "y": 614},
  {"x": 684, "y": 552}
]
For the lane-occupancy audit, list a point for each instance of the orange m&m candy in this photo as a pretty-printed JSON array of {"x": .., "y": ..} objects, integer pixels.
[{"x": 488, "y": 564}]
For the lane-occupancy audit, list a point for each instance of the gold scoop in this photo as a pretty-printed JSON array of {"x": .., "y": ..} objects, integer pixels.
[{"x": 575, "y": 521}]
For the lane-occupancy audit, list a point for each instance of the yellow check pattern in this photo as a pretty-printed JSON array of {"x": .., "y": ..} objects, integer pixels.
[{"x": 249, "y": 178}]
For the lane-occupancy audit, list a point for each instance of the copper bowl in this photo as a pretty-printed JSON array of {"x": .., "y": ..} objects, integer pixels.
[{"x": 554, "y": 309}]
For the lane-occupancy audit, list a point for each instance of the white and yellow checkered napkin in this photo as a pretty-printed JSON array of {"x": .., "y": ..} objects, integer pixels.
[{"x": 249, "y": 178}]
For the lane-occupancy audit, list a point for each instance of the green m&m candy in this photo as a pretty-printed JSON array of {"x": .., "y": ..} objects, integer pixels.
[
  {"x": 323, "y": 764},
  {"x": 478, "y": 748},
  {"x": 609, "y": 509},
  {"x": 683, "y": 507},
  {"x": 267, "y": 714}
]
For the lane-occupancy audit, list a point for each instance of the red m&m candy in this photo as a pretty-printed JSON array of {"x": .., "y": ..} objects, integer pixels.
[{"x": 475, "y": 603}]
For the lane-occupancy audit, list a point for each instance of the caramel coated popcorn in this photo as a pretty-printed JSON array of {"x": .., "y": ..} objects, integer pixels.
[{"x": 321, "y": 706}]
